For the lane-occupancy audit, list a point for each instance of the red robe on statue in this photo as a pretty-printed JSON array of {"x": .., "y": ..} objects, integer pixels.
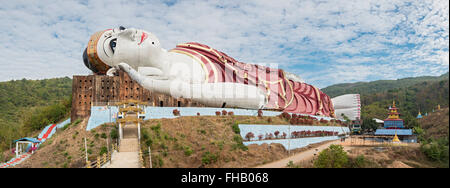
[{"x": 283, "y": 94}]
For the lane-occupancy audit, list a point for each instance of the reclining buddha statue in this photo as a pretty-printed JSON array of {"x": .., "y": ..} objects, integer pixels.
[{"x": 208, "y": 76}]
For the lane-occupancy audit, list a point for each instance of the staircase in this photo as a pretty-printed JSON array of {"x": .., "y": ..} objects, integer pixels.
[
  {"x": 127, "y": 155},
  {"x": 129, "y": 145}
]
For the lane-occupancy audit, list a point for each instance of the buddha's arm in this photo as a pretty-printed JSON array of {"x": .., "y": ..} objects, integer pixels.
[{"x": 209, "y": 94}]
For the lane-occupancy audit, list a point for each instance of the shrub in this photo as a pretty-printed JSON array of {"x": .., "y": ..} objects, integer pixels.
[
  {"x": 188, "y": 151},
  {"x": 285, "y": 115},
  {"x": 260, "y": 113},
  {"x": 149, "y": 142},
  {"x": 436, "y": 150},
  {"x": 235, "y": 128},
  {"x": 114, "y": 134},
  {"x": 239, "y": 144},
  {"x": 224, "y": 112},
  {"x": 260, "y": 137},
  {"x": 249, "y": 136},
  {"x": 284, "y": 135},
  {"x": 208, "y": 158},
  {"x": 217, "y": 113},
  {"x": 76, "y": 122},
  {"x": 293, "y": 121},
  {"x": 359, "y": 162},
  {"x": 231, "y": 113},
  {"x": 103, "y": 135},
  {"x": 332, "y": 157},
  {"x": 276, "y": 133},
  {"x": 269, "y": 136},
  {"x": 176, "y": 112},
  {"x": 103, "y": 150},
  {"x": 44, "y": 116},
  {"x": 198, "y": 113}
]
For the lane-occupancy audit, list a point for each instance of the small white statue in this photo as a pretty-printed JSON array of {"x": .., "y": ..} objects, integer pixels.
[{"x": 205, "y": 75}]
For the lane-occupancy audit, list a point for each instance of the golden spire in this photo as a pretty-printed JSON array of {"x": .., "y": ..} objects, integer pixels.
[
  {"x": 396, "y": 140},
  {"x": 393, "y": 104}
]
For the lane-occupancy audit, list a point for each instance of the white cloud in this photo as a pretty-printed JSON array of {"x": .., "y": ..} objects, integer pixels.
[{"x": 324, "y": 42}]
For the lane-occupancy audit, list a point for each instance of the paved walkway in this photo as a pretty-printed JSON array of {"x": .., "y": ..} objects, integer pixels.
[
  {"x": 299, "y": 157},
  {"x": 128, "y": 154},
  {"x": 124, "y": 160}
]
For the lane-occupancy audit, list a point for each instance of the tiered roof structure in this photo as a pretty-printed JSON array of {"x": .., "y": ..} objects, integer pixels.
[{"x": 393, "y": 121}]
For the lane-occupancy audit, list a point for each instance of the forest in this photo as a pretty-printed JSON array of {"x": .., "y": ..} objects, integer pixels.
[
  {"x": 27, "y": 106},
  {"x": 410, "y": 94}
]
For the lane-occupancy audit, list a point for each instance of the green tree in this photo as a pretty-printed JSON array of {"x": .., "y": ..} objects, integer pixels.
[
  {"x": 369, "y": 123},
  {"x": 332, "y": 157}
]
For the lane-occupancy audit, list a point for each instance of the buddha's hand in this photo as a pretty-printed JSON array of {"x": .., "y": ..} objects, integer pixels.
[{"x": 134, "y": 75}]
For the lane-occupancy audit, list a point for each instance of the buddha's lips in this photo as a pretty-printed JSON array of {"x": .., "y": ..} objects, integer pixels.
[{"x": 143, "y": 37}]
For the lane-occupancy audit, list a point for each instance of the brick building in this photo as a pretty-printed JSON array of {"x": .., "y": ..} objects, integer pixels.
[{"x": 101, "y": 90}]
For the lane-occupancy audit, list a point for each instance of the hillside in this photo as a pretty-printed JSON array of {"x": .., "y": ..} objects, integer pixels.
[
  {"x": 424, "y": 96},
  {"x": 65, "y": 149},
  {"x": 379, "y": 85},
  {"x": 435, "y": 124},
  {"x": 184, "y": 142},
  {"x": 206, "y": 141},
  {"x": 27, "y": 105},
  {"x": 410, "y": 94}
]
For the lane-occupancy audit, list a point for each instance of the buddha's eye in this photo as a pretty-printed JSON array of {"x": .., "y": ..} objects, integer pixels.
[{"x": 112, "y": 44}]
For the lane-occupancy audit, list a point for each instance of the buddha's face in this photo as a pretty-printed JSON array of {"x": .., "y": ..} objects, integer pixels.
[{"x": 109, "y": 48}]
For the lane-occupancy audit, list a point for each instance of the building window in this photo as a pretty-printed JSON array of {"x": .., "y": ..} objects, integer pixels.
[
  {"x": 179, "y": 103},
  {"x": 161, "y": 103}
]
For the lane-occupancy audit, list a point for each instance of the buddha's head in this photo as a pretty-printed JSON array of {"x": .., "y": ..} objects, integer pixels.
[{"x": 110, "y": 47}]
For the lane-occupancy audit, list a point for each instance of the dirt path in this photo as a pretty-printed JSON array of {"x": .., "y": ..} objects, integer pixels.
[{"x": 299, "y": 157}]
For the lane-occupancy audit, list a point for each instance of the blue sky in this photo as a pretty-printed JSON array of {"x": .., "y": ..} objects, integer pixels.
[{"x": 324, "y": 42}]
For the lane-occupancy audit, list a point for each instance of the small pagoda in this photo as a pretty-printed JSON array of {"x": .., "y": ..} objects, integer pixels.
[
  {"x": 419, "y": 116},
  {"x": 393, "y": 126},
  {"x": 393, "y": 121}
]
